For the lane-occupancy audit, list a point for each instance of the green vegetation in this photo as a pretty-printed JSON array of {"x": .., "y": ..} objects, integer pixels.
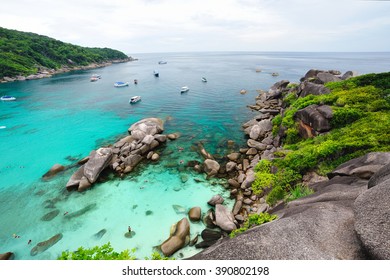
[
  {"x": 24, "y": 53},
  {"x": 253, "y": 220},
  {"x": 360, "y": 124},
  {"x": 106, "y": 252}
]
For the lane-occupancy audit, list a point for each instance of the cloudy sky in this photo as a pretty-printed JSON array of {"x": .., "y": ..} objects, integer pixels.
[{"x": 138, "y": 26}]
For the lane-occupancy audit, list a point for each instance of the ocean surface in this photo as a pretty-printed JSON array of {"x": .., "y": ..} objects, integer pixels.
[{"x": 61, "y": 119}]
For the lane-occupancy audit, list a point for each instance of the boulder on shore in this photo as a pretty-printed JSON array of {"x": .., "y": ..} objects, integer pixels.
[{"x": 179, "y": 238}]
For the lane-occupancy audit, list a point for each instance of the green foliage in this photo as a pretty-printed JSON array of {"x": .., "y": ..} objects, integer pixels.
[
  {"x": 343, "y": 116},
  {"x": 104, "y": 252},
  {"x": 253, "y": 220},
  {"x": 156, "y": 256},
  {"x": 23, "y": 53},
  {"x": 299, "y": 191},
  {"x": 360, "y": 124}
]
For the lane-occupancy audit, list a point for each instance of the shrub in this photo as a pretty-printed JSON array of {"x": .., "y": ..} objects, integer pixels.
[
  {"x": 104, "y": 252},
  {"x": 299, "y": 191},
  {"x": 252, "y": 221}
]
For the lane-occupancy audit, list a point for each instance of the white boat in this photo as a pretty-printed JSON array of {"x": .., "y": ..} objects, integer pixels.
[
  {"x": 7, "y": 98},
  {"x": 204, "y": 80},
  {"x": 95, "y": 77},
  {"x": 184, "y": 89},
  {"x": 121, "y": 84},
  {"x": 135, "y": 99},
  {"x": 156, "y": 74},
  {"x": 275, "y": 74}
]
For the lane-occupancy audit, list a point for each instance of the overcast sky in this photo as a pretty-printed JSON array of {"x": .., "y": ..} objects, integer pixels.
[{"x": 138, "y": 26}]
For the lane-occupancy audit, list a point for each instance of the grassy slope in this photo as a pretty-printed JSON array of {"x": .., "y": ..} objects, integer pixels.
[{"x": 361, "y": 124}]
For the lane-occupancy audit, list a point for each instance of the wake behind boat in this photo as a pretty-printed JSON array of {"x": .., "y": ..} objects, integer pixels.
[
  {"x": 7, "y": 98},
  {"x": 121, "y": 84}
]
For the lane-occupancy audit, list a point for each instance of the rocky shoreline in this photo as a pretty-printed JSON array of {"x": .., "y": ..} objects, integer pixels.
[
  {"x": 344, "y": 192},
  {"x": 48, "y": 73}
]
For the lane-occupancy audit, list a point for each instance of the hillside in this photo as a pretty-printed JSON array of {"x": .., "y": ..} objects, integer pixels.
[
  {"x": 23, "y": 53},
  {"x": 324, "y": 173}
]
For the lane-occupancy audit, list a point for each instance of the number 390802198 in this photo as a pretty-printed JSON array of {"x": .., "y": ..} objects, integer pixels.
[{"x": 221, "y": 270}]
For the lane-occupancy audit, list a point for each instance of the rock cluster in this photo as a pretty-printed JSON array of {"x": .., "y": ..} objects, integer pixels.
[
  {"x": 145, "y": 136},
  {"x": 343, "y": 219}
]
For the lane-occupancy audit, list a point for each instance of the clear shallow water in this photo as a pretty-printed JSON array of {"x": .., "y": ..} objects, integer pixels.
[{"x": 61, "y": 119}]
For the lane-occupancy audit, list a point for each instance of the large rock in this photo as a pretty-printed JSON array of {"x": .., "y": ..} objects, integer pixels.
[
  {"x": 179, "y": 238},
  {"x": 319, "y": 226},
  {"x": 211, "y": 167},
  {"x": 6, "y": 256},
  {"x": 195, "y": 214},
  {"x": 98, "y": 161},
  {"x": 149, "y": 126},
  {"x": 363, "y": 167},
  {"x": 56, "y": 168},
  {"x": 216, "y": 199},
  {"x": 224, "y": 218},
  {"x": 277, "y": 89},
  {"x": 317, "y": 119},
  {"x": 372, "y": 211},
  {"x": 326, "y": 77},
  {"x": 307, "y": 88},
  {"x": 260, "y": 129},
  {"x": 380, "y": 176},
  {"x": 75, "y": 179}
]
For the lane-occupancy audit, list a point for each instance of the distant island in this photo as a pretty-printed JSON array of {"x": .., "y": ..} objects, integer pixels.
[{"x": 25, "y": 55}]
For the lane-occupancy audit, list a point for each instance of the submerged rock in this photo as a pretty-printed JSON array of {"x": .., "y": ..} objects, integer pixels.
[
  {"x": 44, "y": 245},
  {"x": 99, "y": 234},
  {"x": 51, "y": 215},
  {"x": 81, "y": 211},
  {"x": 54, "y": 170}
]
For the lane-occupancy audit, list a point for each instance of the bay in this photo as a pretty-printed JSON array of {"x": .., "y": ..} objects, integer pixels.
[{"x": 61, "y": 119}]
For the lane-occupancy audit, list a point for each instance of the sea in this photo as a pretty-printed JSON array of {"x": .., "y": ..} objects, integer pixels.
[{"x": 60, "y": 120}]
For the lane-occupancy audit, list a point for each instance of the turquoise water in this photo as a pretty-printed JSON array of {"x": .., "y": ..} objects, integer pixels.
[{"x": 61, "y": 119}]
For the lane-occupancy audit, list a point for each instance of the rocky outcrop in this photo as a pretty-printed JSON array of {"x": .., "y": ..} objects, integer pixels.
[
  {"x": 211, "y": 167},
  {"x": 372, "y": 209},
  {"x": 314, "y": 120},
  {"x": 224, "y": 218},
  {"x": 123, "y": 156},
  {"x": 179, "y": 238},
  {"x": 343, "y": 219}
]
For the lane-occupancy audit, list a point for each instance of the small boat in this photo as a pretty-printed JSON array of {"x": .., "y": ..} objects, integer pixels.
[
  {"x": 7, "y": 98},
  {"x": 135, "y": 81},
  {"x": 275, "y": 74},
  {"x": 162, "y": 62},
  {"x": 204, "y": 80},
  {"x": 121, "y": 84},
  {"x": 95, "y": 77},
  {"x": 184, "y": 89},
  {"x": 156, "y": 74},
  {"x": 2, "y": 126},
  {"x": 135, "y": 99}
]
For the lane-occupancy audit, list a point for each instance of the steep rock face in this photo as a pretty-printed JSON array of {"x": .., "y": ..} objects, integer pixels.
[
  {"x": 341, "y": 220},
  {"x": 372, "y": 211}
]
